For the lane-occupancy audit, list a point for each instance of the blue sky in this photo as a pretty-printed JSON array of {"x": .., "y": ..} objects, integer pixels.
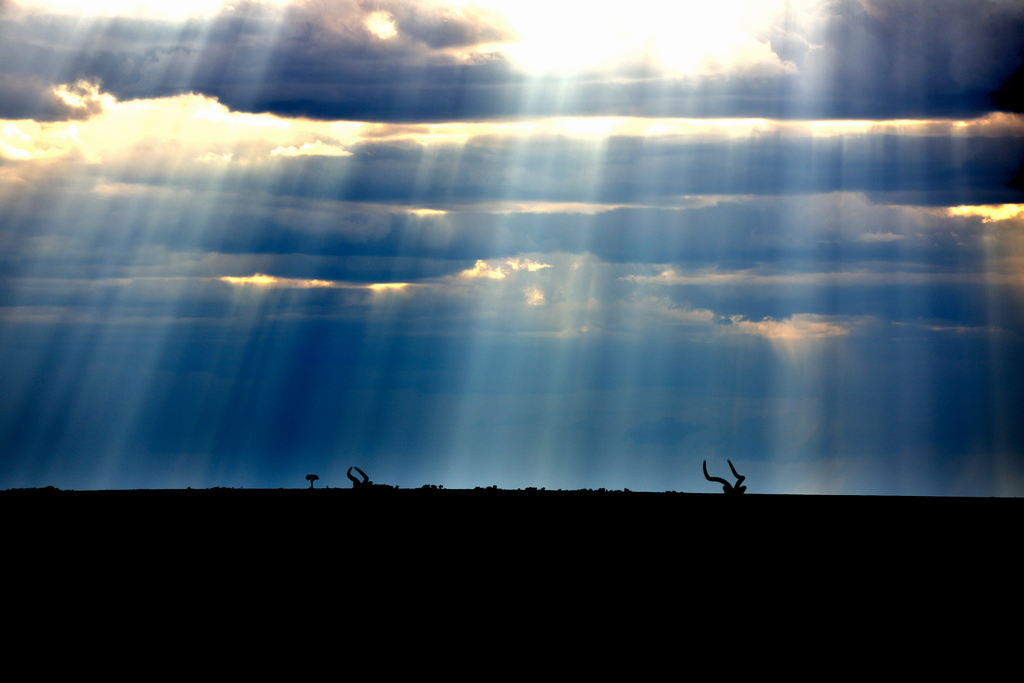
[{"x": 524, "y": 244}]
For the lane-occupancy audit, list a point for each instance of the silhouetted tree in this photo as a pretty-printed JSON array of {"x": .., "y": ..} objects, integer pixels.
[{"x": 311, "y": 478}]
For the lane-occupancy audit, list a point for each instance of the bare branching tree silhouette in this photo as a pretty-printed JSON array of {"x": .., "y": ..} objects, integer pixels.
[
  {"x": 726, "y": 486},
  {"x": 355, "y": 482},
  {"x": 311, "y": 478}
]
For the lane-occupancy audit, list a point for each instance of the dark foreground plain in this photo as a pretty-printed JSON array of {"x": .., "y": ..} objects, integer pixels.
[
  {"x": 378, "y": 525},
  {"x": 253, "y": 575}
]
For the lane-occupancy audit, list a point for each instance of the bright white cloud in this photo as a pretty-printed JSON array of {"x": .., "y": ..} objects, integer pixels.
[
  {"x": 526, "y": 264},
  {"x": 483, "y": 269},
  {"x": 988, "y": 213},
  {"x": 388, "y": 286},
  {"x": 84, "y": 96},
  {"x": 28, "y": 141},
  {"x": 261, "y": 280},
  {"x": 209, "y": 109},
  {"x": 311, "y": 149},
  {"x": 169, "y": 131},
  {"x": 796, "y": 327},
  {"x": 381, "y": 24}
]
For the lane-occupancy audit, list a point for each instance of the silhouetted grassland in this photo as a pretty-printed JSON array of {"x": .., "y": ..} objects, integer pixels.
[
  {"x": 379, "y": 562},
  {"x": 454, "y": 519}
]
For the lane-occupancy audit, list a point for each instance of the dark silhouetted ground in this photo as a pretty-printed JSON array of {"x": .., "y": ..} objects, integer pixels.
[{"x": 382, "y": 568}]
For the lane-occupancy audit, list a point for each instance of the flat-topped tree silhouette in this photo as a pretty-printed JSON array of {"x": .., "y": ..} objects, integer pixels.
[
  {"x": 726, "y": 486},
  {"x": 311, "y": 478},
  {"x": 355, "y": 482}
]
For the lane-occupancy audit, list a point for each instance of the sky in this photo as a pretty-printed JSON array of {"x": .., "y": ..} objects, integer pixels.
[{"x": 515, "y": 243}]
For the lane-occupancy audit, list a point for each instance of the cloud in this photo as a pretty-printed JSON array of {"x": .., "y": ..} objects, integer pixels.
[
  {"x": 381, "y": 163},
  {"x": 181, "y": 10},
  {"x": 526, "y": 264},
  {"x": 682, "y": 313},
  {"x": 868, "y": 275},
  {"x": 988, "y": 214},
  {"x": 682, "y": 38},
  {"x": 795, "y": 328},
  {"x": 381, "y": 24},
  {"x": 28, "y": 141},
  {"x": 261, "y": 280},
  {"x": 482, "y": 269},
  {"x": 213, "y": 157},
  {"x": 83, "y": 97},
  {"x": 445, "y": 25},
  {"x": 448, "y": 62},
  {"x": 871, "y": 237},
  {"x": 317, "y": 148},
  {"x": 25, "y": 97}
]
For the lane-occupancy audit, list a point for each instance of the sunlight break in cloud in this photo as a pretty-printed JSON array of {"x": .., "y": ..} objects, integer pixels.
[
  {"x": 84, "y": 96},
  {"x": 270, "y": 281},
  {"x": 691, "y": 37},
  {"x": 482, "y": 269},
  {"x": 381, "y": 24},
  {"x": 261, "y": 280},
  {"x": 988, "y": 214},
  {"x": 15, "y": 136},
  {"x": 795, "y": 327}
]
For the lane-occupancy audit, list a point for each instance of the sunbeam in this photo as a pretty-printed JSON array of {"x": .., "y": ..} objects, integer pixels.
[{"x": 522, "y": 244}]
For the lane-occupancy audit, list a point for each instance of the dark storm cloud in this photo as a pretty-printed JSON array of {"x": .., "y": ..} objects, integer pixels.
[
  {"x": 23, "y": 97},
  {"x": 440, "y": 27},
  {"x": 916, "y": 169},
  {"x": 883, "y": 60},
  {"x": 893, "y": 58}
]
